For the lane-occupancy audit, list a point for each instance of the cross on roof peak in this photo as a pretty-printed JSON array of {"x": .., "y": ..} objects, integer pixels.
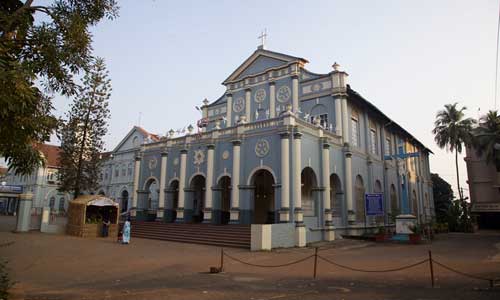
[{"x": 262, "y": 38}]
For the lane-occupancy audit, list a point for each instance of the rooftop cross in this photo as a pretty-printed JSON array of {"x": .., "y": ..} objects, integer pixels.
[{"x": 262, "y": 38}]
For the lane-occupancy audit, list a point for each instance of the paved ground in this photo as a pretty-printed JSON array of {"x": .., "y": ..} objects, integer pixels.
[{"x": 61, "y": 267}]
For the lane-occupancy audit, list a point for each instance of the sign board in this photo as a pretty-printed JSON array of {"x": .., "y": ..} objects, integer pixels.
[
  {"x": 17, "y": 189},
  {"x": 486, "y": 207},
  {"x": 374, "y": 204}
]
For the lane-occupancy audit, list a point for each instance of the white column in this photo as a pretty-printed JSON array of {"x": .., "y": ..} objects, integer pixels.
[
  {"x": 285, "y": 178},
  {"x": 235, "y": 181},
  {"x": 300, "y": 230},
  {"x": 207, "y": 215},
  {"x": 24, "y": 212},
  {"x": 163, "y": 178},
  {"x": 345, "y": 121},
  {"x": 182, "y": 185},
  {"x": 325, "y": 161},
  {"x": 272, "y": 99},
  {"x": 135, "y": 195},
  {"x": 338, "y": 116},
  {"x": 229, "y": 110},
  {"x": 351, "y": 217},
  {"x": 248, "y": 112},
  {"x": 295, "y": 93}
]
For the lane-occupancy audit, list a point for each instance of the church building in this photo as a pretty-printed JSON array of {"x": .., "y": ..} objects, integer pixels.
[{"x": 285, "y": 145}]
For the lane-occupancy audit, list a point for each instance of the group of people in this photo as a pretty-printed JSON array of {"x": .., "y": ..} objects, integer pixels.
[{"x": 125, "y": 233}]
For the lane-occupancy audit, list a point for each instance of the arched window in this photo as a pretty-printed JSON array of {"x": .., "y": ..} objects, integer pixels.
[
  {"x": 52, "y": 202},
  {"x": 359, "y": 196},
  {"x": 130, "y": 169},
  {"x": 355, "y": 129},
  {"x": 61, "y": 204},
  {"x": 394, "y": 200},
  {"x": 335, "y": 195}
]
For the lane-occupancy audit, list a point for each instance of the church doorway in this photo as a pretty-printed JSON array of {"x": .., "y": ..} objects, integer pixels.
[
  {"x": 336, "y": 195},
  {"x": 198, "y": 193},
  {"x": 153, "y": 195},
  {"x": 308, "y": 190},
  {"x": 124, "y": 201},
  {"x": 263, "y": 181},
  {"x": 359, "y": 196},
  {"x": 225, "y": 201}
]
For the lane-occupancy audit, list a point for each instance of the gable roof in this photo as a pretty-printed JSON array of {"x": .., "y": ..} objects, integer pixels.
[
  {"x": 356, "y": 95},
  {"x": 144, "y": 132},
  {"x": 51, "y": 154},
  {"x": 259, "y": 53}
]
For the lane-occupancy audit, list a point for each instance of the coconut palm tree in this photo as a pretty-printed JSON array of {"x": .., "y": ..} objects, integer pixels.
[
  {"x": 452, "y": 130},
  {"x": 487, "y": 138}
]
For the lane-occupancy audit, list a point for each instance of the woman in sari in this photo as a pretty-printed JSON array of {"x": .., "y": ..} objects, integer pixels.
[{"x": 126, "y": 232}]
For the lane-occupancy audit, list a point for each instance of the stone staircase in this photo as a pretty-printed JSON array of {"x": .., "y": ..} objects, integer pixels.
[{"x": 207, "y": 234}]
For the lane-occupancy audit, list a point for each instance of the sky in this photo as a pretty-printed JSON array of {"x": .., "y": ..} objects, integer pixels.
[{"x": 409, "y": 58}]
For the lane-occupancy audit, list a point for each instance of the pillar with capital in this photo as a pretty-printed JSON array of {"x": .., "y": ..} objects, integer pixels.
[
  {"x": 295, "y": 93},
  {"x": 248, "y": 102},
  {"x": 229, "y": 109},
  {"x": 284, "y": 213},
  {"x": 207, "y": 213},
  {"x": 182, "y": 186},
  {"x": 272, "y": 99},
  {"x": 327, "y": 214},
  {"x": 351, "y": 216},
  {"x": 163, "y": 178},
  {"x": 235, "y": 181},
  {"x": 300, "y": 229},
  {"x": 135, "y": 195}
]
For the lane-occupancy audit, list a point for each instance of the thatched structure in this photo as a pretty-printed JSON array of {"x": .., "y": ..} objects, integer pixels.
[{"x": 86, "y": 214}]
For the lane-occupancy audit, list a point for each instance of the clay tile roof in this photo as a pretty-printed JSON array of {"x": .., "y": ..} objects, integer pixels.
[
  {"x": 152, "y": 136},
  {"x": 51, "y": 154}
]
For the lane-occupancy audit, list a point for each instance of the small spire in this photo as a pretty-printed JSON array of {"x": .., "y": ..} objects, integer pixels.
[{"x": 205, "y": 101}]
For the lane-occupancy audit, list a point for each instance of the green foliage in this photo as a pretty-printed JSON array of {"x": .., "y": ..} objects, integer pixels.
[
  {"x": 459, "y": 219},
  {"x": 5, "y": 281},
  {"x": 82, "y": 132},
  {"x": 37, "y": 59},
  {"x": 452, "y": 130},
  {"x": 487, "y": 138},
  {"x": 417, "y": 228},
  {"x": 443, "y": 196}
]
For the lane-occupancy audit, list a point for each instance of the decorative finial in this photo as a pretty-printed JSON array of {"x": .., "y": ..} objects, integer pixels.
[
  {"x": 335, "y": 66},
  {"x": 205, "y": 101},
  {"x": 190, "y": 129}
]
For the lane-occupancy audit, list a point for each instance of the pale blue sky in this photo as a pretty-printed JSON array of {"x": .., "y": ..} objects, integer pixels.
[{"x": 409, "y": 58}]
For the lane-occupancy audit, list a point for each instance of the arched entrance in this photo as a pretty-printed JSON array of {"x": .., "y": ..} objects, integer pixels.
[
  {"x": 359, "y": 196},
  {"x": 124, "y": 201},
  {"x": 309, "y": 184},
  {"x": 152, "y": 190},
  {"x": 224, "y": 186},
  {"x": 198, "y": 195},
  {"x": 264, "y": 208},
  {"x": 172, "y": 201},
  {"x": 335, "y": 195}
]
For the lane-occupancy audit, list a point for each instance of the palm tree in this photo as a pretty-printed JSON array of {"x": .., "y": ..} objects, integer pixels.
[
  {"x": 487, "y": 138},
  {"x": 452, "y": 130}
]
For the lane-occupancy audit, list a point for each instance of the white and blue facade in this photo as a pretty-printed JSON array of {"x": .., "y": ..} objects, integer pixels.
[{"x": 285, "y": 145}]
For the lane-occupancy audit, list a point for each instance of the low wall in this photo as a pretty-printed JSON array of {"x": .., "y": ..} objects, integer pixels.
[{"x": 270, "y": 236}]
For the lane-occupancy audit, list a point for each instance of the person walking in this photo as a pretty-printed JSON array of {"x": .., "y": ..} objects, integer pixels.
[{"x": 126, "y": 232}]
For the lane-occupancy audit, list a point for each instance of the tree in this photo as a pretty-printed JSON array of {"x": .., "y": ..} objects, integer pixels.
[
  {"x": 82, "y": 133},
  {"x": 443, "y": 196},
  {"x": 451, "y": 132},
  {"x": 39, "y": 58},
  {"x": 487, "y": 138}
]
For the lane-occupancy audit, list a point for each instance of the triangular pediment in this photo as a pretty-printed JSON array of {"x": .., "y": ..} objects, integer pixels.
[
  {"x": 133, "y": 139},
  {"x": 260, "y": 61}
]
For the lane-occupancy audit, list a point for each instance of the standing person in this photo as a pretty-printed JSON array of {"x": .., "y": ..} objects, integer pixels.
[
  {"x": 126, "y": 232},
  {"x": 105, "y": 226}
]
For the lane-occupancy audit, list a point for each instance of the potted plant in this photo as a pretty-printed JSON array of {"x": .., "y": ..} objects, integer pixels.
[
  {"x": 416, "y": 235},
  {"x": 381, "y": 234}
]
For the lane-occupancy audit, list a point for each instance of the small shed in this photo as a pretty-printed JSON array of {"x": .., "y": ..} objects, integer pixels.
[{"x": 86, "y": 214}]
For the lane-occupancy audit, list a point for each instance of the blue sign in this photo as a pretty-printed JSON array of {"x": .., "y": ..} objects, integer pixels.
[
  {"x": 16, "y": 189},
  {"x": 374, "y": 204}
]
